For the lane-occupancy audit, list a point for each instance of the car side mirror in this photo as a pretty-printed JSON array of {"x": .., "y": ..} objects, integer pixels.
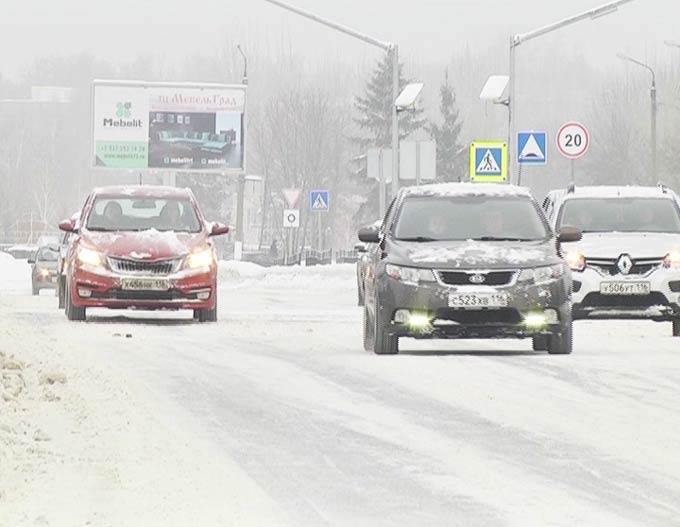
[
  {"x": 218, "y": 229},
  {"x": 569, "y": 234},
  {"x": 31, "y": 260},
  {"x": 360, "y": 248},
  {"x": 67, "y": 226},
  {"x": 369, "y": 235}
]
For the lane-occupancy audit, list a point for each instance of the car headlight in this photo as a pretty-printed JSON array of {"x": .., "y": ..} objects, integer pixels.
[
  {"x": 409, "y": 275},
  {"x": 575, "y": 260},
  {"x": 672, "y": 259},
  {"x": 89, "y": 257},
  {"x": 44, "y": 272},
  {"x": 200, "y": 259},
  {"x": 539, "y": 275}
]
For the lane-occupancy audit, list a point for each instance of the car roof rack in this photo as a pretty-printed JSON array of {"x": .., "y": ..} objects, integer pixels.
[
  {"x": 663, "y": 187},
  {"x": 571, "y": 188}
]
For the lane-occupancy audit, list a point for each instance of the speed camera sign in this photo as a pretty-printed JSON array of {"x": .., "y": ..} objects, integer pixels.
[{"x": 573, "y": 140}]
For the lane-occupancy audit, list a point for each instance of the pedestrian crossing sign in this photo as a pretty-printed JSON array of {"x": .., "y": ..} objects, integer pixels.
[{"x": 489, "y": 162}]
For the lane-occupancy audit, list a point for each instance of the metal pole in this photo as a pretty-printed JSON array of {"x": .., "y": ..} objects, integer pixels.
[
  {"x": 395, "y": 122},
  {"x": 573, "y": 175},
  {"x": 511, "y": 108},
  {"x": 654, "y": 128},
  {"x": 381, "y": 183}
]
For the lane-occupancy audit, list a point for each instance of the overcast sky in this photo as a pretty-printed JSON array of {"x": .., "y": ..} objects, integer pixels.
[{"x": 427, "y": 30}]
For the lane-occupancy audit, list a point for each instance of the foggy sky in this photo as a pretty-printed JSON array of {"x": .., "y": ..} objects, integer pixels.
[{"x": 426, "y": 30}]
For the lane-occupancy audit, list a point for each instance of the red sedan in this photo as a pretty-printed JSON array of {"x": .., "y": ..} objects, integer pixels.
[{"x": 142, "y": 247}]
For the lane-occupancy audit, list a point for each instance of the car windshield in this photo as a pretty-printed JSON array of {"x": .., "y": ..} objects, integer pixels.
[
  {"x": 112, "y": 214},
  {"x": 486, "y": 218},
  {"x": 621, "y": 215},
  {"x": 46, "y": 254}
]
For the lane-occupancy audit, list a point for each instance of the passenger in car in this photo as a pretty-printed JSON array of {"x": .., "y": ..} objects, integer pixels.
[{"x": 113, "y": 216}]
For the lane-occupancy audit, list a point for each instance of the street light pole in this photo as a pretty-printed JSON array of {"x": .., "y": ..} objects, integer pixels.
[
  {"x": 520, "y": 38},
  {"x": 393, "y": 50},
  {"x": 654, "y": 109},
  {"x": 241, "y": 184}
]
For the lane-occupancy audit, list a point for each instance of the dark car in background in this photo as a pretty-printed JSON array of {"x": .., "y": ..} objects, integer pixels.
[
  {"x": 44, "y": 268},
  {"x": 466, "y": 261}
]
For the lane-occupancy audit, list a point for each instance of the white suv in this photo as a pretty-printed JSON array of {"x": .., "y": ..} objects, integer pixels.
[{"x": 628, "y": 263}]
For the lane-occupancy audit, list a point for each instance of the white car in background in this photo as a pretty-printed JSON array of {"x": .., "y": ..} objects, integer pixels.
[{"x": 627, "y": 266}]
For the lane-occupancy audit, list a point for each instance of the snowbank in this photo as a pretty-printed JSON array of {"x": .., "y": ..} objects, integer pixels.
[
  {"x": 236, "y": 273},
  {"x": 15, "y": 275}
]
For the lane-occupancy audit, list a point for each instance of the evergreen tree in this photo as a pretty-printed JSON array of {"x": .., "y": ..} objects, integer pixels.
[
  {"x": 447, "y": 135},
  {"x": 375, "y": 108},
  {"x": 374, "y": 119}
]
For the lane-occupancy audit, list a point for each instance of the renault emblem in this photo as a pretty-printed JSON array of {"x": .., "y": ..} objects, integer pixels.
[
  {"x": 624, "y": 264},
  {"x": 477, "y": 278}
]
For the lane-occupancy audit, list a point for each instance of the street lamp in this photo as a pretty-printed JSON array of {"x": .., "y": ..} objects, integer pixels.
[
  {"x": 653, "y": 99},
  {"x": 393, "y": 51},
  {"x": 517, "y": 40}
]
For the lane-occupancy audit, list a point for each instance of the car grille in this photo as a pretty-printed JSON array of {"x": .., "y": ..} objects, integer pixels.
[
  {"x": 595, "y": 300},
  {"x": 480, "y": 317},
  {"x": 120, "y": 294},
  {"x": 162, "y": 267},
  {"x": 494, "y": 278},
  {"x": 640, "y": 267}
]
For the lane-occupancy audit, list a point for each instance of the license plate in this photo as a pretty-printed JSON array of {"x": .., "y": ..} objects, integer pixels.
[
  {"x": 625, "y": 288},
  {"x": 145, "y": 284},
  {"x": 478, "y": 300}
]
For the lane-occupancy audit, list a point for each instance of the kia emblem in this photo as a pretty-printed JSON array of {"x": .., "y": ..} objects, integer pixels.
[{"x": 477, "y": 278}]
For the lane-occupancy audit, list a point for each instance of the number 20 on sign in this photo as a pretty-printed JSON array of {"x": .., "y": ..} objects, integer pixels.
[{"x": 573, "y": 140}]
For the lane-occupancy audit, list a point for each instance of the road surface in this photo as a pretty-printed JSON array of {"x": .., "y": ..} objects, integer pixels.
[{"x": 470, "y": 433}]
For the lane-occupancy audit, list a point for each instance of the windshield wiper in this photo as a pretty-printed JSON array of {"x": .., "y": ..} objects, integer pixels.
[
  {"x": 419, "y": 239},
  {"x": 503, "y": 239}
]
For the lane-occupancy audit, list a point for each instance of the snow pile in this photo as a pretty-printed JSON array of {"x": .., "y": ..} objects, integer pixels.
[
  {"x": 15, "y": 275},
  {"x": 238, "y": 273}
]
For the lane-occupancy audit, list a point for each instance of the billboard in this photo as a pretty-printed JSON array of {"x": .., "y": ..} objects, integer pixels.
[{"x": 138, "y": 125}]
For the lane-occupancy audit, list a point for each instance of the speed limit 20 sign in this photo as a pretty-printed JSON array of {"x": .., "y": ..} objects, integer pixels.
[{"x": 573, "y": 140}]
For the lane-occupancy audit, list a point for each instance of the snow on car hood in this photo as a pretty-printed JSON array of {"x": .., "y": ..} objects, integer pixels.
[
  {"x": 145, "y": 245},
  {"x": 611, "y": 245},
  {"x": 475, "y": 254}
]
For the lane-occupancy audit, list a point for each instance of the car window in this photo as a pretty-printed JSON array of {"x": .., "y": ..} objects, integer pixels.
[
  {"x": 621, "y": 215},
  {"x": 470, "y": 217},
  {"x": 137, "y": 214},
  {"x": 45, "y": 254}
]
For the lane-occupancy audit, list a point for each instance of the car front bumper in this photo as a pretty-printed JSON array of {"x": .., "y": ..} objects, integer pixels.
[
  {"x": 661, "y": 304},
  {"x": 432, "y": 300},
  {"x": 102, "y": 288}
]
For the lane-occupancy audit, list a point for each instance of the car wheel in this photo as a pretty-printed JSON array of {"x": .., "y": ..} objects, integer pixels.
[
  {"x": 369, "y": 333},
  {"x": 676, "y": 327},
  {"x": 561, "y": 343},
  {"x": 35, "y": 289},
  {"x": 384, "y": 343},
  {"x": 540, "y": 342},
  {"x": 73, "y": 312},
  {"x": 60, "y": 292},
  {"x": 207, "y": 315}
]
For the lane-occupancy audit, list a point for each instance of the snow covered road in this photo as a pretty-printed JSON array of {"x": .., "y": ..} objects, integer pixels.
[{"x": 285, "y": 420}]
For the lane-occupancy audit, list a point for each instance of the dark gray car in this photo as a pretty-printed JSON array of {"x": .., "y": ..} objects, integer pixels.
[{"x": 466, "y": 260}]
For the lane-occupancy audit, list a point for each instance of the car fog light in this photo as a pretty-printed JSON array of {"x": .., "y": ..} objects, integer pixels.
[
  {"x": 85, "y": 293},
  {"x": 203, "y": 295},
  {"x": 419, "y": 320},
  {"x": 535, "y": 320}
]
